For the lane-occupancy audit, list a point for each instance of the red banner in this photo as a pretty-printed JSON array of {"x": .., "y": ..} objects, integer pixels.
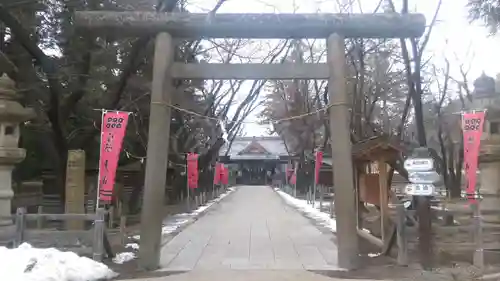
[
  {"x": 472, "y": 126},
  {"x": 224, "y": 177},
  {"x": 217, "y": 173},
  {"x": 317, "y": 167},
  {"x": 192, "y": 170},
  {"x": 293, "y": 179},
  {"x": 113, "y": 128}
]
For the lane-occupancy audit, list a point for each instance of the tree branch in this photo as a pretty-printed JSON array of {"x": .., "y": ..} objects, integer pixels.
[{"x": 48, "y": 67}]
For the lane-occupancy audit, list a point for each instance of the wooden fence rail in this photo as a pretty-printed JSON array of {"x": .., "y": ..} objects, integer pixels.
[{"x": 96, "y": 234}]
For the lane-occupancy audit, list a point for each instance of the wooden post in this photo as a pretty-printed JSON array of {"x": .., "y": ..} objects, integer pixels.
[
  {"x": 357, "y": 184},
  {"x": 98, "y": 244},
  {"x": 314, "y": 195},
  {"x": 344, "y": 198},
  {"x": 321, "y": 197},
  {"x": 111, "y": 217},
  {"x": 157, "y": 154},
  {"x": 296, "y": 171},
  {"x": 75, "y": 188},
  {"x": 123, "y": 228},
  {"x": 188, "y": 193},
  {"x": 39, "y": 220},
  {"x": 478, "y": 258},
  {"x": 401, "y": 234},
  {"x": 20, "y": 226},
  {"x": 382, "y": 182}
]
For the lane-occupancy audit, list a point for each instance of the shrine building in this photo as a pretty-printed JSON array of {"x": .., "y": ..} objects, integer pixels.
[{"x": 256, "y": 160}]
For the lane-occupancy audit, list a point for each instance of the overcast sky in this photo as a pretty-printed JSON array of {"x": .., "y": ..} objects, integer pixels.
[{"x": 453, "y": 37}]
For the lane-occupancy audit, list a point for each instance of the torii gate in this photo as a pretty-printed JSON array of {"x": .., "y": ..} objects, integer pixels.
[{"x": 334, "y": 27}]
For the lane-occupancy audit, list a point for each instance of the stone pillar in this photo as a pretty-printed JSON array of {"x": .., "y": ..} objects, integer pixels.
[
  {"x": 75, "y": 188},
  {"x": 345, "y": 199},
  {"x": 11, "y": 114}
]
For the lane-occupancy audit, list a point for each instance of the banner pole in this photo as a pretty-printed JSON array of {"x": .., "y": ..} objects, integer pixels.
[
  {"x": 103, "y": 111},
  {"x": 188, "y": 199},
  {"x": 296, "y": 179}
]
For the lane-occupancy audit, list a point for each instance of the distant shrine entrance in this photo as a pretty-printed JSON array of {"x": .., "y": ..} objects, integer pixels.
[
  {"x": 257, "y": 160},
  {"x": 169, "y": 27}
]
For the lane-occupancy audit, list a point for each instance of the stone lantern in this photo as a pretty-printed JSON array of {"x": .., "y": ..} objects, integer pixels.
[{"x": 11, "y": 114}]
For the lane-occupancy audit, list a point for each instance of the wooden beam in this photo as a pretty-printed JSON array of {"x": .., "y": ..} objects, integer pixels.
[
  {"x": 250, "y": 71},
  {"x": 201, "y": 25},
  {"x": 382, "y": 183},
  {"x": 370, "y": 238}
]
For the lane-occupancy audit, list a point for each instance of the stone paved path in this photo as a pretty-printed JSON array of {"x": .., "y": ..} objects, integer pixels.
[{"x": 252, "y": 229}]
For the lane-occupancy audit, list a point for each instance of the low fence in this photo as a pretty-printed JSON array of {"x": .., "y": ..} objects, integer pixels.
[
  {"x": 315, "y": 195},
  {"x": 119, "y": 217},
  {"x": 468, "y": 234},
  {"x": 70, "y": 240}
]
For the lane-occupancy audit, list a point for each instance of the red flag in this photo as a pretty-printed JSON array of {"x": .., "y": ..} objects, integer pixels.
[
  {"x": 113, "y": 128},
  {"x": 472, "y": 126},
  {"x": 217, "y": 173},
  {"x": 317, "y": 167},
  {"x": 192, "y": 170}
]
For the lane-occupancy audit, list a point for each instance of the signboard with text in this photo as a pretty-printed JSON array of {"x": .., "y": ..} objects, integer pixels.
[{"x": 421, "y": 173}]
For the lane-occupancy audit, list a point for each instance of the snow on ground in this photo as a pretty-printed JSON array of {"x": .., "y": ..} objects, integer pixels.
[
  {"x": 170, "y": 225},
  {"x": 124, "y": 257},
  {"x": 26, "y": 263},
  {"x": 133, "y": 246},
  {"x": 312, "y": 212}
]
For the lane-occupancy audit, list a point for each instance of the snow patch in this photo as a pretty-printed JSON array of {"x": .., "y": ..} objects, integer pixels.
[
  {"x": 176, "y": 221},
  {"x": 123, "y": 257},
  {"x": 167, "y": 229},
  {"x": 312, "y": 212},
  {"x": 26, "y": 263},
  {"x": 133, "y": 246}
]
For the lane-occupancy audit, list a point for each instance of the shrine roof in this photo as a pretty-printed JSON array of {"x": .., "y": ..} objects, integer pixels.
[
  {"x": 376, "y": 147},
  {"x": 273, "y": 145}
]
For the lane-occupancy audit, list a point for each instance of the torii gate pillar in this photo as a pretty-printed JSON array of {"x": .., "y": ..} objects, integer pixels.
[{"x": 343, "y": 178}]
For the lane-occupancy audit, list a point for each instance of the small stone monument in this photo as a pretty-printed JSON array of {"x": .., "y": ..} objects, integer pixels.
[{"x": 11, "y": 114}]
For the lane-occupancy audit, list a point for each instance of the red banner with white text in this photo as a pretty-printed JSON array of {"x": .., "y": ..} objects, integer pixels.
[
  {"x": 472, "y": 126},
  {"x": 192, "y": 170},
  {"x": 317, "y": 167},
  {"x": 217, "y": 173},
  {"x": 113, "y": 128}
]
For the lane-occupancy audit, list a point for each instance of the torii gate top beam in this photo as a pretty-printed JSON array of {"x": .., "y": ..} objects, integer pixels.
[{"x": 200, "y": 25}]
